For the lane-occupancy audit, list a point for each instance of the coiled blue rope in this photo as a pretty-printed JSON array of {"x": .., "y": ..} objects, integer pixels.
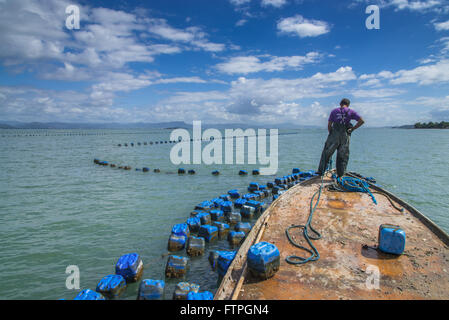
[{"x": 354, "y": 185}]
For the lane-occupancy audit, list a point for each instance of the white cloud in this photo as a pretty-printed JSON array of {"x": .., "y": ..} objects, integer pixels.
[
  {"x": 274, "y": 3},
  {"x": 251, "y": 64},
  {"x": 424, "y": 75},
  {"x": 302, "y": 27},
  {"x": 412, "y": 5},
  {"x": 239, "y": 2},
  {"x": 442, "y": 26}
]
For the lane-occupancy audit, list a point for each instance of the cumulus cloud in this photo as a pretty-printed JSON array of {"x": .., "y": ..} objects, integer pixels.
[
  {"x": 442, "y": 26},
  {"x": 274, "y": 3},
  {"x": 251, "y": 64},
  {"x": 302, "y": 27}
]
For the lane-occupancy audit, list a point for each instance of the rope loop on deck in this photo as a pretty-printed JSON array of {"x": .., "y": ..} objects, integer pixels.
[{"x": 314, "y": 254}]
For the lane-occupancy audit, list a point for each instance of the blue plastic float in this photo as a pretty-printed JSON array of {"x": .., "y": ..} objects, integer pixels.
[
  {"x": 195, "y": 246},
  {"x": 176, "y": 267},
  {"x": 224, "y": 261},
  {"x": 88, "y": 294},
  {"x": 208, "y": 232},
  {"x": 129, "y": 266},
  {"x": 263, "y": 260},
  {"x": 183, "y": 289},
  {"x": 151, "y": 290},
  {"x": 111, "y": 286},
  {"x": 206, "y": 295}
]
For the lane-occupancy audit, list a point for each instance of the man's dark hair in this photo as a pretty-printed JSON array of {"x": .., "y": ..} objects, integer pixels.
[{"x": 345, "y": 102}]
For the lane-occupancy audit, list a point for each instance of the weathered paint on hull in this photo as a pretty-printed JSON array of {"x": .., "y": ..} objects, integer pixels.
[{"x": 349, "y": 223}]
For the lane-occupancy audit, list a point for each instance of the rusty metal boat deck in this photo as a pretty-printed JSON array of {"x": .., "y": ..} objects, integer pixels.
[{"x": 349, "y": 224}]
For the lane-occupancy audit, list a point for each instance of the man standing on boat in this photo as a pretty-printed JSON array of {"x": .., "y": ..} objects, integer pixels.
[{"x": 340, "y": 129}]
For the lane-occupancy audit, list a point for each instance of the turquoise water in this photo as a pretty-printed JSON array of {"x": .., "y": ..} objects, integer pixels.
[{"x": 57, "y": 208}]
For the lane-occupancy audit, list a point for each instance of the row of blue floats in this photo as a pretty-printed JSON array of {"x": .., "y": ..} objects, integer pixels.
[
  {"x": 181, "y": 171},
  {"x": 217, "y": 219}
]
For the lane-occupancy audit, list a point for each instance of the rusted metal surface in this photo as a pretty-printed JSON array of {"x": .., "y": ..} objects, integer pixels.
[{"x": 349, "y": 224}]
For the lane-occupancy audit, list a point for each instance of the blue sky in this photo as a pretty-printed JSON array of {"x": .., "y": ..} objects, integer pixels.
[{"x": 224, "y": 61}]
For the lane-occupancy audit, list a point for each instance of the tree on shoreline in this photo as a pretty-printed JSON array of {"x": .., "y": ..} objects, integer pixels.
[{"x": 432, "y": 125}]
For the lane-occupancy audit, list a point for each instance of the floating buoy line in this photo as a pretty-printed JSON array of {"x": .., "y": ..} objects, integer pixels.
[
  {"x": 228, "y": 217},
  {"x": 181, "y": 171}
]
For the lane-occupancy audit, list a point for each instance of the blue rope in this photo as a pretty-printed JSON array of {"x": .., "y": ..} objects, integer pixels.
[
  {"x": 355, "y": 185},
  {"x": 314, "y": 254}
]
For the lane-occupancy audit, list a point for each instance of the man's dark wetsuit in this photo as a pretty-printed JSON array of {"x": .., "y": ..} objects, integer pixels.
[{"x": 338, "y": 139}]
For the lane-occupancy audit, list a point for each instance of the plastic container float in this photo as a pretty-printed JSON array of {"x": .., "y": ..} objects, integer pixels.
[
  {"x": 216, "y": 215},
  {"x": 259, "y": 195},
  {"x": 243, "y": 227},
  {"x": 206, "y": 295},
  {"x": 130, "y": 267},
  {"x": 137, "y": 169},
  {"x": 138, "y": 143},
  {"x": 111, "y": 286},
  {"x": 182, "y": 289},
  {"x": 262, "y": 187},
  {"x": 145, "y": 169},
  {"x": 191, "y": 172},
  {"x": 233, "y": 218},
  {"x": 144, "y": 143},
  {"x": 181, "y": 171},
  {"x": 256, "y": 172},
  {"x": 275, "y": 196},
  {"x": 391, "y": 239},
  {"x": 195, "y": 213},
  {"x": 239, "y": 203},
  {"x": 247, "y": 212},
  {"x": 263, "y": 260},
  {"x": 249, "y": 196},
  {"x": 176, "y": 242},
  {"x": 215, "y": 172},
  {"x": 276, "y": 190},
  {"x": 112, "y": 165},
  {"x": 132, "y": 144},
  {"x": 194, "y": 224},
  {"x": 223, "y": 229},
  {"x": 256, "y": 204},
  {"x": 125, "y": 144},
  {"x": 253, "y": 186},
  {"x": 243, "y": 173},
  {"x": 205, "y": 205},
  {"x": 156, "y": 170},
  {"x": 176, "y": 267},
  {"x": 224, "y": 261},
  {"x": 119, "y": 145},
  {"x": 127, "y": 168},
  {"x": 235, "y": 238},
  {"x": 151, "y": 142},
  {"x": 204, "y": 218},
  {"x": 208, "y": 232},
  {"x": 88, "y": 294},
  {"x": 195, "y": 246},
  {"x": 156, "y": 142},
  {"x": 226, "y": 206},
  {"x": 181, "y": 229},
  {"x": 213, "y": 257},
  {"x": 96, "y": 161},
  {"x": 234, "y": 194},
  {"x": 296, "y": 170},
  {"x": 151, "y": 290},
  {"x": 225, "y": 197},
  {"x": 270, "y": 185},
  {"x": 217, "y": 202}
]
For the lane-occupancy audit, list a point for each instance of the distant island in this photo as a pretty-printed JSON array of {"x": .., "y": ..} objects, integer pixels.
[
  {"x": 432, "y": 125},
  {"x": 429, "y": 125}
]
